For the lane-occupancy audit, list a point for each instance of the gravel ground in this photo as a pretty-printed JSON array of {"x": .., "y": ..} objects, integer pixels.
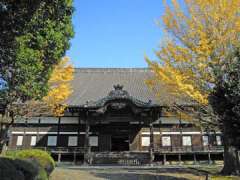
[{"x": 128, "y": 173}]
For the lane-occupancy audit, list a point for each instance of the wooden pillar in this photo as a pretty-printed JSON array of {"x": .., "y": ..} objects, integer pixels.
[
  {"x": 151, "y": 148},
  {"x": 209, "y": 158},
  {"x": 195, "y": 158},
  {"x": 78, "y": 135},
  {"x": 74, "y": 157},
  {"x": 24, "y": 145},
  {"x": 58, "y": 132},
  {"x": 58, "y": 126},
  {"x": 141, "y": 125},
  {"x": 181, "y": 132},
  {"x": 202, "y": 146},
  {"x": 87, "y": 148},
  {"x": 179, "y": 159},
  {"x": 38, "y": 136},
  {"x": 209, "y": 140},
  {"x": 59, "y": 157},
  {"x": 164, "y": 159}
]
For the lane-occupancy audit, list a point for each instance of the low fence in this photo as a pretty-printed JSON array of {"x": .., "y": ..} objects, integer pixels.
[
  {"x": 189, "y": 149},
  {"x": 55, "y": 149}
]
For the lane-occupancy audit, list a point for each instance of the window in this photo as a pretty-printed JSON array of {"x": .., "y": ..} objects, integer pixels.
[
  {"x": 19, "y": 140},
  {"x": 205, "y": 140},
  {"x": 93, "y": 140},
  {"x": 166, "y": 141},
  {"x": 52, "y": 141},
  {"x": 72, "y": 141},
  {"x": 145, "y": 141},
  {"x": 187, "y": 140},
  {"x": 33, "y": 140},
  {"x": 219, "y": 140}
]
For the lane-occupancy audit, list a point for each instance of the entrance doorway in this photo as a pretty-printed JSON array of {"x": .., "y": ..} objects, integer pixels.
[{"x": 120, "y": 143}]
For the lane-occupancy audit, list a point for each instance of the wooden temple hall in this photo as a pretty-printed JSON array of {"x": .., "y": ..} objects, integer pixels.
[{"x": 114, "y": 118}]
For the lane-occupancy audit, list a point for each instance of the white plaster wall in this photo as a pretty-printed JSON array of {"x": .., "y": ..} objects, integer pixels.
[{"x": 69, "y": 120}]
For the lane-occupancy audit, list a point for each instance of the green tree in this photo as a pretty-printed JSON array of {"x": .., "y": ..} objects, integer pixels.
[
  {"x": 34, "y": 37},
  {"x": 225, "y": 100},
  {"x": 35, "y": 45}
]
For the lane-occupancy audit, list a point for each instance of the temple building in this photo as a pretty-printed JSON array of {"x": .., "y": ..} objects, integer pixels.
[{"x": 114, "y": 118}]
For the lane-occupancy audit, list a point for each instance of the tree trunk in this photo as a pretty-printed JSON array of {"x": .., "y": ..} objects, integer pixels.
[
  {"x": 231, "y": 151},
  {"x": 231, "y": 161},
  {"x": 4, "y": 134},
  {"x": 3, "y": 138}
]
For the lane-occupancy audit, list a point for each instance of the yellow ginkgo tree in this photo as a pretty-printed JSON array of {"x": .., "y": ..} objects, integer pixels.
[
  {"x": 60, "y": 88},
  {"x": 200, "y": 36}
]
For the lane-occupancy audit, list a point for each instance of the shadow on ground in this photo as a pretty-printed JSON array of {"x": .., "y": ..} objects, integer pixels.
[
  {"x": 103, "y": 173},
  {"x": 134, "y": 176},
  {"x": 146, "y": 174}
]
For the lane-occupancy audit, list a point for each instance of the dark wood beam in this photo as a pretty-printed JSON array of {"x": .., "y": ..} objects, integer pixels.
[{"x": 87, "y": 147}]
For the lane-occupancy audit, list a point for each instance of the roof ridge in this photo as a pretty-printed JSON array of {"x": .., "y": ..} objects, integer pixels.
[{"x": 111, "y": 69}]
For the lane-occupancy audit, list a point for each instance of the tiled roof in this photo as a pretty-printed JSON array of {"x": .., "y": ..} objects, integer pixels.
[{"x": 93, "y": 84}]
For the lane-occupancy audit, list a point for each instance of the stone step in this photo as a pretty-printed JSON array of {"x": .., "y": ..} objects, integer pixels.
[{"x": 121, "y": 158}]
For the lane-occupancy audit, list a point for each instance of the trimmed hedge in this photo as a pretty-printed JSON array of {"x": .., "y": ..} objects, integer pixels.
[
  {"x": 18, "y": 169},
  {"x": 30, "y": 169},
  {"x": 42, "y": 157},
  {"x": 37, "y": 164}
]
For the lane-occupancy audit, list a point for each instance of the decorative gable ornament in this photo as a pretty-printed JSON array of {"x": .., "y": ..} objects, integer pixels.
[{"x": 118, "y": 92}]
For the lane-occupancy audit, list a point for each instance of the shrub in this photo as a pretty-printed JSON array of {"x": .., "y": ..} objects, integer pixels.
[
  {"x": 21, "y": 169},
  {"x": 42, "y": 157},
  {"x": 10, "y": 154},
  {"x": 30, "y": 169},
  {"x": 42, "y": 175}
]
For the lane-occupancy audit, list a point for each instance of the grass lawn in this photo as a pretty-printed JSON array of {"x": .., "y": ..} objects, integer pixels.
[
  {"x": 214, "y": 170},
  {"x": 162, "y": 173}
]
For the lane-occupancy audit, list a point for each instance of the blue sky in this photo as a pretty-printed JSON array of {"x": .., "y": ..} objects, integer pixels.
[{"x": 115, "y": 33}]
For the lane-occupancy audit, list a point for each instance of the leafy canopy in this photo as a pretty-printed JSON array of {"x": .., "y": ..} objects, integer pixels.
[
  {"x": 34, "y": 37},
  {"x": 200, "y": 38},
  {"x": 54, "y": 103}
]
